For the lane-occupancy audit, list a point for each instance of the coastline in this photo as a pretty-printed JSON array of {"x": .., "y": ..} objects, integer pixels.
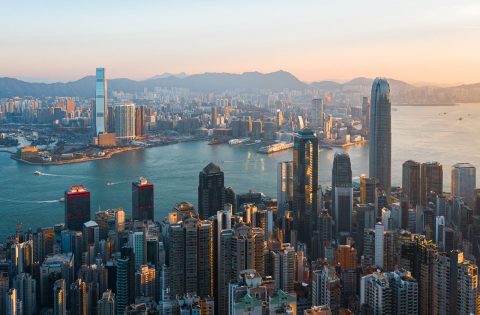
[{"x": 107, "y": 155}]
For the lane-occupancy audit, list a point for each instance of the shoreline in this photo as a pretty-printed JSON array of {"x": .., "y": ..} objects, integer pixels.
[{"x": 108, "y": 155}]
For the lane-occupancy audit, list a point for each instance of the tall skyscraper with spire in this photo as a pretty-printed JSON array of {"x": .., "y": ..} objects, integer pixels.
[
  {"x": 305, "y": 184},
  {"x": 101, "y": 111},
  {"x": 380, "y": 135}
]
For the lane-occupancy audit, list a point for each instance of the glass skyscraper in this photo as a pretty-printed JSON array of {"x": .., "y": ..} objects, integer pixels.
[
  {"x": 305, "y": 184},
  {"x": 101, "y": 110},
  {"x": 342, "y": 194},
  {"x": 380, "y": 135}
]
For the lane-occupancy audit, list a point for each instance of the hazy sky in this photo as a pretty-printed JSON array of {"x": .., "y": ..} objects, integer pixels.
[{"x": 433, "y": 41}]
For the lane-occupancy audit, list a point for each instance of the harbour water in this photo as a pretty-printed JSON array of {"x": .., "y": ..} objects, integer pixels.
[{"x": 422, "y": 133}]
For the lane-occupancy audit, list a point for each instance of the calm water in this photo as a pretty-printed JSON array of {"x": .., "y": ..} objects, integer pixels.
[{"x": 419, "y": 133}]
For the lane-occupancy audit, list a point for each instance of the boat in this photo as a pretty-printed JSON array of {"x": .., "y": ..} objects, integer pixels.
[
  {"x": 38, "y": 173},
  {"x": 109, "y": 183},
  {"x": 61, "y": 200},
  {"x": 275, "y": 147},
  {"x": 238, "y": 141}
]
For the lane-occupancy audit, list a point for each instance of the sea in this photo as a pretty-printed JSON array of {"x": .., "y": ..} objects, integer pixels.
[{"x": 447, "y": 134}]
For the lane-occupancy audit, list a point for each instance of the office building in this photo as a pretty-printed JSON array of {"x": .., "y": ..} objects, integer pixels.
[
  {"x": 59, "y": 266},
  {"x": 77, "y": 207},
  {"x": 142, "y": 200},
  {"x": 284, "y": 186},
  {"x": 140, "y": 121},
  {"x": 379, "y": 244},
  {"x": 368, "y": 190},
  {"x": 11, "y": 303},
  {"x": 60, "y": 297},
  {"x": 211, "y": 191},
  {"x": 78, "y": 298},
  {"x": 146, "y": 282},
  {"x": 431, "y": 181},
  {"x": 411, "y": 181},
  {"x": 316, "y": 115},
  {"x": 106, "y": 305},
  {"x": 4, "y": 287},
  {"x": 342, "y": 195},
  {"x": 305, "y": 184},
  {"x": 464, "y": 181},
  {"x": 26, "y": 288},
  {"x": 91, "y": 238},
  {"x": 380, "y": 135},
  {"x": 125, "y": 121},
  {"x": 101, "y": 97},
  {"x": 125, "y": 280},
  {"x": 365, "y": 116}
]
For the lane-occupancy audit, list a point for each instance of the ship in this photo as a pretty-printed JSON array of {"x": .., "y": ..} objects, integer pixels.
[
  {"x": 38, "y": 173},
  {"x": 275, "y": 147},
  {"x": 238, "y": 141}
]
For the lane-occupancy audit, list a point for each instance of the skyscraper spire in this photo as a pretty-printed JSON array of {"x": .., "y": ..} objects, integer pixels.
[{"x": 380, "y": 135}]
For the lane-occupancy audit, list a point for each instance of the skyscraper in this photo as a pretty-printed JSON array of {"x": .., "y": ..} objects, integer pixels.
[
  {"x": 455, "y": 285},
  {"x": 125, "y": 121},
  {"x": 11, "y": 303},
  {"x": 464, "y": 181},
  {"x": 431, "y": 181},
  {"x": 125, "y": 279},
  {"x": 211, "y": 191},
  {"x": 411, "y": 181},
  {"x": 140, "y": 121},
  {"x": 60, "y": 297},
  {"x": 77, "y": 207},
  {"x": 316, "y": 119},
  {"x": 379, "y": 244},
  {"x": 106, "y": 305},
  {"x": 26, "y": 291},
  {"x": 142, "y": 200},
  {"x": 101, "y": 96},
  {"x": 342, "y": 194},
  {"x": 78, "y": 297},
  {"x": 284, "y": 185},
  {"x": 380, "y": 135},
  {"x": 365, "y": 116},
  {"x": 368, "y": 190},
  {"x": 190, "y": 257},
  {"x": 305, "y": 184}
]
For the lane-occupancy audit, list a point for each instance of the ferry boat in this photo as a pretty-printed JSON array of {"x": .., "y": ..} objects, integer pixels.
[
  {"x": 38, "y": 173},
  {"x": 238, "y": 141},
  {"x": 275, "y": 147}
]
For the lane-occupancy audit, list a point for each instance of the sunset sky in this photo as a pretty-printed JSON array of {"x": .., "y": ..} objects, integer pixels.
[{"x": 428, "y": 41}]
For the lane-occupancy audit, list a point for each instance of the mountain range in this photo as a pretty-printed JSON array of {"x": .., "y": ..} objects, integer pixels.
[{"x": 402, "y": 92}]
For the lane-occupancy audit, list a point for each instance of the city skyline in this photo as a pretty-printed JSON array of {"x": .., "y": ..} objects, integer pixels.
[{"x": 428, "y": 42}]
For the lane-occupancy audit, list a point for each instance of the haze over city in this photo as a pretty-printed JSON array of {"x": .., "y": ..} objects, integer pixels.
[
  {"x": 434, "y": 42},
  {"x": 241, "y": 158}
]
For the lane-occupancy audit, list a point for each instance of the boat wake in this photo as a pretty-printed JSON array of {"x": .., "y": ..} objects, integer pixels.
[{"x": 29, "y": 201}]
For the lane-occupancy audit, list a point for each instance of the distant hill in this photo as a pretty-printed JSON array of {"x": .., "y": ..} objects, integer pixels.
[
  {"x": 206, "y": 82},
  {"x": 402, "y": 92}
]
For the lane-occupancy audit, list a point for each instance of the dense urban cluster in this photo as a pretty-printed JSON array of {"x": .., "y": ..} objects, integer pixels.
[
  {"x": 343, "y": 249},
  {"x": 59, "y": 130}
]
